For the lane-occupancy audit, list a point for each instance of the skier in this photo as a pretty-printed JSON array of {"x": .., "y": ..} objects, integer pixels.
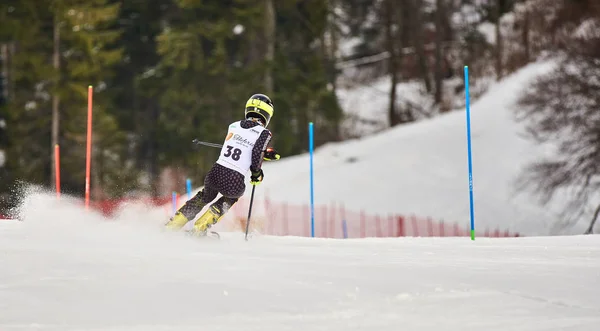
[{"x": 244, "y": 149}]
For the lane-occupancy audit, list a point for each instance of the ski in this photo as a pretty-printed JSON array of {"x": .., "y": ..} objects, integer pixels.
[{"x": 209, "y": 235}]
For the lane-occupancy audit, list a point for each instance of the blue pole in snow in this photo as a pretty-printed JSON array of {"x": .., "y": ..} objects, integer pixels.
[
  {"x": 468, "y": 106},
  {"x": 312, "y": 195},
  {"x": 345, "y": 228},
  {"x": 174, "y": 202},
  {"x": 188, "y": 183}
]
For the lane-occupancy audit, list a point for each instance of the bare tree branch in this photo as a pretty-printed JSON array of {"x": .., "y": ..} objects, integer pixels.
[
  {"x": 561, "y": 110},
  {"x": 590, "y": 229}
]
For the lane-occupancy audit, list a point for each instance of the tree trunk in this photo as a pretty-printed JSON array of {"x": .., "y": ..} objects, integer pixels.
[
  {"x": 331, "y": 59},
  {"x": 12, "y": 50},
  {"x": 55, "y": 96},
  {"x": 335, "y": 41},
  {"x": 403, "y": 15},
  {"x": 97, "y": 171},
  {"x": 590, "y": 230},
  {"x": 393, "y": 60},
  {"x": 270, "y": 44},
  {"x": 526, "y": 44},
  {"x": 269, "y": 58},
  {"x": 439, "y": 15},
  {"x": 419, "y": 43},
  {"x": 499, "y": 46},
  {"x": 4, "y": 71},
  {"x": 152, "y": 150}
]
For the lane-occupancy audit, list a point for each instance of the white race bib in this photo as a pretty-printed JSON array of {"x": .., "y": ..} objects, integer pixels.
[{"x": 236, "y": 153}]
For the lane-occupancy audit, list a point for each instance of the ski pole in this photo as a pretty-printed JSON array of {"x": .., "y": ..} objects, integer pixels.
[
  {"x": 249, "y": 212},
  {"x": 198, "y": 142}
]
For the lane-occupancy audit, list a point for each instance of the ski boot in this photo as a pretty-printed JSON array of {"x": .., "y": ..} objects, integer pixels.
[
  {"x": 213, "y": 215},
  {"x": 208, "y": 219},
  {"x": 188, "y": 211},
  {"x": 203, "y": 224},
  {"x": 177, "y": 221}
]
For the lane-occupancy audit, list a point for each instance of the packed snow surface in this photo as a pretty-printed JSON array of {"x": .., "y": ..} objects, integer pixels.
[{"x": 64, "y": 268}]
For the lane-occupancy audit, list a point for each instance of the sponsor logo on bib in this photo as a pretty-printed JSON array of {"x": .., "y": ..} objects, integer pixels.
[{"x": 241, "y": 140}]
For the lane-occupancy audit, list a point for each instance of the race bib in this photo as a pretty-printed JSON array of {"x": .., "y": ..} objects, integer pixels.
[{"x": 236, "y": 153}]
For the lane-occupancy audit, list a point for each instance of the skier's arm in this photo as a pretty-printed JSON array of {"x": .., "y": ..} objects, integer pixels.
[{"x": 257, "y": 152}]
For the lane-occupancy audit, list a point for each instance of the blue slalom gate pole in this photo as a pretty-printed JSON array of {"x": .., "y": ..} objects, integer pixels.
[
  {"x": 312, "y": 195},
  {"x": 345, "y": 229},
  {"x": 468, "y": 106},
  {"x": 188, "y": 184},
  {"x": 174, "y": 196}
]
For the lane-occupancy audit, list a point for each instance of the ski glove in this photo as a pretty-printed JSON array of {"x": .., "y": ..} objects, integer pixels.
[
  {"x": 271, "y": 154},
  {"x": 257, "y": 177}
]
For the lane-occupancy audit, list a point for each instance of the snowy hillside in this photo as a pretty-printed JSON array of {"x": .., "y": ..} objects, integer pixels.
[
  {"x": 421, "y": 168},
  {"x": 64, "y": 269}
]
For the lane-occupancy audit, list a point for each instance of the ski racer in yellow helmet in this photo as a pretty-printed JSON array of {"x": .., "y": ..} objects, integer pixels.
[{"x": 244, "y": 149}]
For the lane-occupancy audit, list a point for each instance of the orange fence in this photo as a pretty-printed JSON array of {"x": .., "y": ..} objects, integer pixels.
[
  {"x": 109, "y": 207},
  {"x": 331, "y": 221},
  {"x": 335, "y": 221}
]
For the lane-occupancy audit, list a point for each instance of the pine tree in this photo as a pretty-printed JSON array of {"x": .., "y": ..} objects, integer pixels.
[
  {"x": 215, "y": 55},
  {"x": 88, "y": 57},
  {"x": 25, "y": 29},
  {"x": 208, "y": 72},
  {"x": 137, "y": 85},
  {"x": 303, "y": 89},
  {"x": 79, "y": 33}
]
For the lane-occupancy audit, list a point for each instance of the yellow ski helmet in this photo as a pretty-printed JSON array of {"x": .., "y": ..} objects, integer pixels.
[{"x": 259, "y": 106}]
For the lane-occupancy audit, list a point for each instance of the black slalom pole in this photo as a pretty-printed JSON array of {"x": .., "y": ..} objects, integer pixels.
[{"x": 250, "y": 211}]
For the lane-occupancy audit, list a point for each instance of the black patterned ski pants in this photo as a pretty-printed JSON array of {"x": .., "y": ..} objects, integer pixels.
[{"x": 219, "y": 179}]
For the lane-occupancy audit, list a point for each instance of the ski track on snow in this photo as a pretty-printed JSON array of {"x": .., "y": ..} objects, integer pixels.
[{"x": 66, "y": 269}]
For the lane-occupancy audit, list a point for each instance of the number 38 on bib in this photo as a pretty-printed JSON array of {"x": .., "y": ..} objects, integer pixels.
[{"x": 236, "y": 153}]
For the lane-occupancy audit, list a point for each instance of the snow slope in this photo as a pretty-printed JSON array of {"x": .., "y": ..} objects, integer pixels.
[
  {"x": 66, "y": 269},
  {"x": 421, "y": 168},
  {"x": 365, "y": 107}
]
